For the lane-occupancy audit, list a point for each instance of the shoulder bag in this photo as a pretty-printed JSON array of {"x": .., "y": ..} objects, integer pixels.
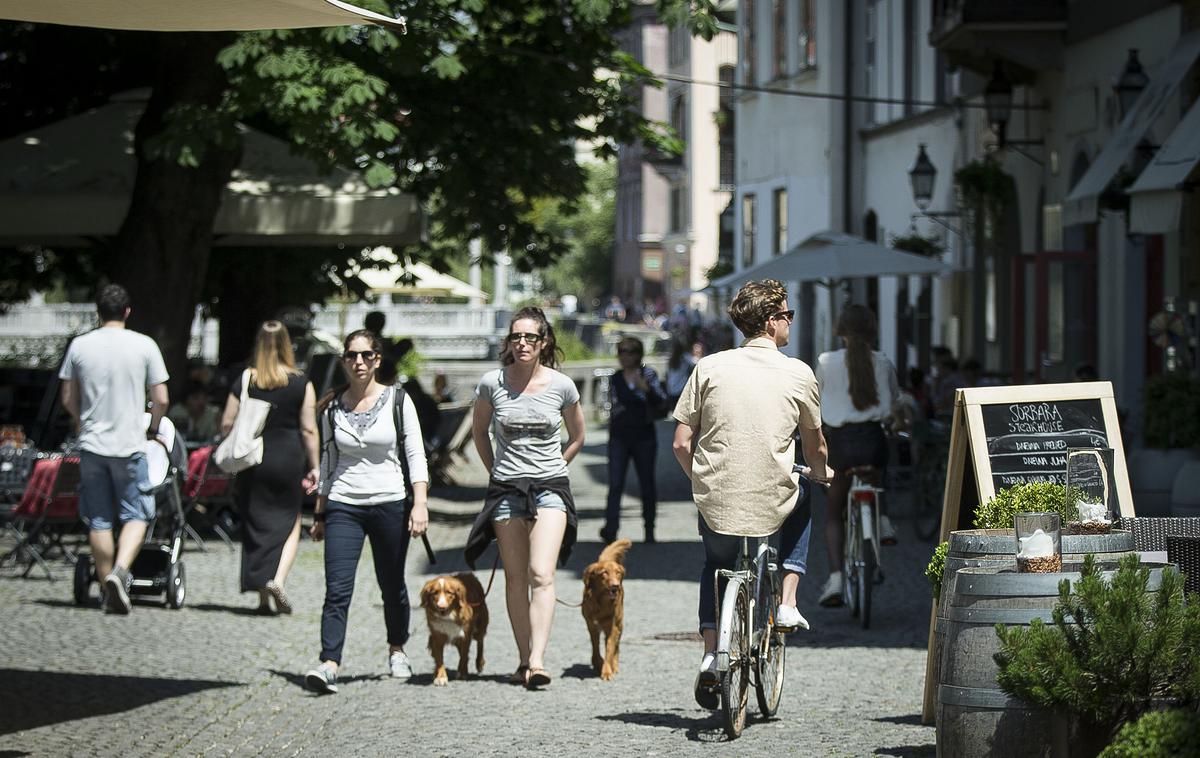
[{"x": 243, "y": 447}]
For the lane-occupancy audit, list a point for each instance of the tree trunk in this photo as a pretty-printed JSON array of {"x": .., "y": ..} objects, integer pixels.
[{"x": 162, "y": 249}]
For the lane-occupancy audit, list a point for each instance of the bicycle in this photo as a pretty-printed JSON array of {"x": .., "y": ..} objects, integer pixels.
[
  {"x": 933, "y": 447},
  {"x": 861, "y": 564},
  {"x": 750, "y": 647}
]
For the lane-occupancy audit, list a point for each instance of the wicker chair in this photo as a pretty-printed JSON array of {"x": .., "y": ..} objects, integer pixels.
[{"x": 1179, "y": 537}]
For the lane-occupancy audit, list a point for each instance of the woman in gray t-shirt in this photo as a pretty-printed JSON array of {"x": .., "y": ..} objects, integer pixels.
[{"x": 523, "y": 405}]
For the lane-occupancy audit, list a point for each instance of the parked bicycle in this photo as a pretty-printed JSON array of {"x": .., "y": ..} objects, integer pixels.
[
  {"x": 861, "y": 554},
  {"x": 933, "y": 447},
  {"x": 751, "y": 647}
]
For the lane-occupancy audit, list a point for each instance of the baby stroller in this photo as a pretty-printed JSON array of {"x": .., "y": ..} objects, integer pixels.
[{"x": 158, "y": 568}]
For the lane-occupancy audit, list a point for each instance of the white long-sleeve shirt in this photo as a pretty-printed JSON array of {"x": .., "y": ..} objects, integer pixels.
[{"x": 365, "y": 469}]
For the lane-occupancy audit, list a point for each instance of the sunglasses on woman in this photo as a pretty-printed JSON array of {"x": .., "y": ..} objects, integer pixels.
[
  {"x": 529, "y": 337},
  {"x": 354, "y": 355}
]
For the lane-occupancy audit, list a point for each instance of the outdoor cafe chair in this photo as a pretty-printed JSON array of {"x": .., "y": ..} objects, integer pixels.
[{"x": 47, "y": 513}]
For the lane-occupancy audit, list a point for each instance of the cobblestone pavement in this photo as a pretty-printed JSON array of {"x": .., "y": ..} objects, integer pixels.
[{"x": 215, "y": 679}]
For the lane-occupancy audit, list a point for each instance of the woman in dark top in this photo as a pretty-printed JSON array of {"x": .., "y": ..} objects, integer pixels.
[
  {"x": 638, "y": 398},
  {"x": 270, "y": 494}
]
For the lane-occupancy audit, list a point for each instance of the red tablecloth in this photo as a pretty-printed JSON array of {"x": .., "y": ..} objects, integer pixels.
[{"x": 40, "y": 492}]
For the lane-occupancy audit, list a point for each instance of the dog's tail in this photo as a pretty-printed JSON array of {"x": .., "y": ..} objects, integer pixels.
[{"x": 616, "y": 551}]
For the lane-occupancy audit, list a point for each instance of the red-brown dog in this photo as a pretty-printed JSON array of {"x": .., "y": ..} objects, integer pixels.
[
  {"x": 455, "y": 611},
  {"x": 604, "y": 606}
]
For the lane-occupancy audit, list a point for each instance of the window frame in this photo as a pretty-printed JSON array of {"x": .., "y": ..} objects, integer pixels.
[
  {"x": 779, "y": 232},
  {"x": 749, "y": 228}
]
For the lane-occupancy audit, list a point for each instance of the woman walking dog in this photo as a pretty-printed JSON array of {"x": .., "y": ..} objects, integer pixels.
[
  {"x": 371, "y": 435},
  {"x": 528, "y": 508}
]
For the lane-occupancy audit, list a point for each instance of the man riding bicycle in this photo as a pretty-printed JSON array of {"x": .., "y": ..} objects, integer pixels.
[{"x": 735, "y": 440}]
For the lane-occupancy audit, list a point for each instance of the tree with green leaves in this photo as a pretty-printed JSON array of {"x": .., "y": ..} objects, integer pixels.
[
  {"x": 589, "y": 231},
  {"x": 476, "y": 110}
]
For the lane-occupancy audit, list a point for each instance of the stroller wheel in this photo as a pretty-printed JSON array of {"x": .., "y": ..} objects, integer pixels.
[
  {"x": 176, "y": 585},
  {"x": 83, "y": 579}
]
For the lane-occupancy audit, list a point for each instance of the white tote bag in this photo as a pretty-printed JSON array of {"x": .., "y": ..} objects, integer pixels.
[{"x": 243, "y": 447}]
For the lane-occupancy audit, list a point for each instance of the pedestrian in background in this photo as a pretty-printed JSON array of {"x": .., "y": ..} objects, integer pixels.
[
  {"x": 270, "y": 494},
  {"x": 528, "y": 508},
  {"x": 364, "y": 463},
  {"x": 106, "y": 376},
  {"x": 196, "y": 418},
  {"x": 858, "y": 391},
  {"x": 637, "y": 398},
  {"x": 679, "y": 367}
]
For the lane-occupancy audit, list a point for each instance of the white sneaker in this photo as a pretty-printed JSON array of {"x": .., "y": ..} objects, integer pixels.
[
  {"x": 831, "y": 594},
  {"x": 400, "y": 665},
  {"x": 705, "y": 687},
  {"x": 887, "y": 532},
  {"x": 788, "y": 617}
]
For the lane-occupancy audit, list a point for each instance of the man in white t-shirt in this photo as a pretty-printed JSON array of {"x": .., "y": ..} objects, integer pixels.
[{"x": 105, "y": 377}]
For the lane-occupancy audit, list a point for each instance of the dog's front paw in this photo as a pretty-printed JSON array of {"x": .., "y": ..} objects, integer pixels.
[
  {"x": 441, "y": 680},
  {"x": 607, "y": 672}
]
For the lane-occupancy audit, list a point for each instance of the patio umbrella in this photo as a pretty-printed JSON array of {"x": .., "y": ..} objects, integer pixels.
[
  {"x": 832, "y": 256},
  {"x": 424, "y": 280},
  {"x": 194, "y": 15}
]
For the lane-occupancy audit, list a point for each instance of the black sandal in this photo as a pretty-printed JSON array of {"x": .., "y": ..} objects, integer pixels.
[
  {"x": 537, "y": 678},
  {"x": 520, "y": 676}
]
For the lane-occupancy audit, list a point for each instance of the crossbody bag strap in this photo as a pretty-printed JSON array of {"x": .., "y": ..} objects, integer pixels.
[
  {"x": 401, "y": 450},
  {"x": 331, "y": 448}
]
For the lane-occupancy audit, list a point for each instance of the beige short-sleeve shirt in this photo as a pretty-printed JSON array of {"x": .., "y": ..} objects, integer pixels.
[{"x": 744, "y": 406}]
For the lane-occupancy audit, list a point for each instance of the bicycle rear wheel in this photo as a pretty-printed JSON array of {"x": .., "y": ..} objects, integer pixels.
[
  {"x": 865, "y": 579},
  {"x": 850, "y": 562},
  {"x": 735, "y": 680}
]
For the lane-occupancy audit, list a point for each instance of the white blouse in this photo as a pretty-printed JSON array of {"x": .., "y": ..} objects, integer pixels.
[{"x": 837, "y": 409}]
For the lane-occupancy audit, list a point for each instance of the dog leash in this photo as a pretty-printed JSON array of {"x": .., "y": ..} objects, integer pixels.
[{"x": 560, "y": 601}]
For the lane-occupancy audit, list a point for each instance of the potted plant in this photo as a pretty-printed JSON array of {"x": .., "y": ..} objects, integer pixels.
[{"x": 1113, "y": 652}]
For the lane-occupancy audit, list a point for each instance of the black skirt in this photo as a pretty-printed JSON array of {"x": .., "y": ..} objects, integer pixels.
[{"x": 854, "y": 445}]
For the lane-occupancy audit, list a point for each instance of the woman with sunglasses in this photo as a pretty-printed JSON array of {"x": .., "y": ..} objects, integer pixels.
[
  {"x": 270, "y": 494},
  {"x": 638, "y": 398},
  {"x": 362, "y": 496},
  {"x": 528, "y": 508}
]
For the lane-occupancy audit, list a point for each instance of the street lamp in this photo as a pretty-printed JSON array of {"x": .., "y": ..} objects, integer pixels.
[
  {"x": 998, "y": 100},
  {"x": 1132, "y": 82},
  {"x": 923, "y": 174}
]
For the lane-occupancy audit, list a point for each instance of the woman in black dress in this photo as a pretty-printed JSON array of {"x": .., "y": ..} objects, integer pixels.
[{"x": 270, "y": 494}]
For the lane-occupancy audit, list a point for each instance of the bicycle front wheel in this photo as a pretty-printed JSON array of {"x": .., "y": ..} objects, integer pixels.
[
  {"x": 735, "y": 680},
  {"x": 865, "y": 579}
]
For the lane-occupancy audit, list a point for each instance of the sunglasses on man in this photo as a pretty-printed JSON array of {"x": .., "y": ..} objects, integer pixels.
[{"x": 786, "y": 315}]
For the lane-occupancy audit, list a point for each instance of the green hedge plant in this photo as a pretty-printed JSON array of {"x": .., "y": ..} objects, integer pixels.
[
  {"x": 1033, "y": 497},
  {"x": 1112, "y": 653},
  {"x": 1158, "y": 734},
  {"x": 937, "y": 568}
]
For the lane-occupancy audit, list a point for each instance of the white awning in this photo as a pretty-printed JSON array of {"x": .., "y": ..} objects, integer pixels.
[
  {"x": 70, "y": 182},
  {"x": 833, "y": 256},
  {"x": 194, "y": 15},
  {"x": 1156, "y": 198},
  {"x": 1081, "y": 204}
]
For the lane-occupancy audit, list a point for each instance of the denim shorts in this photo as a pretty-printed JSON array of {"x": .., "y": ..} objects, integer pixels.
[
  {"x": 110, "y": 490},
  {"x": 511, "y": 506}
]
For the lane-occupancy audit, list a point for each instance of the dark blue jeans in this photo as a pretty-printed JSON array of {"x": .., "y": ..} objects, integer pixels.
[
  {"x": 721, "y": 552},
  {"x": 386, "y": 525},
  {"x": 642, "y": 450}
]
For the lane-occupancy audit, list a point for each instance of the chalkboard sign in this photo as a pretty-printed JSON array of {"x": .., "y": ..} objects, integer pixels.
[
  {"x": 1027, "y": 442},
  {"x": 1003, "y": 436}
]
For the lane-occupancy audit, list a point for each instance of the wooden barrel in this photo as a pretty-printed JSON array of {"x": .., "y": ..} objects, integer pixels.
[
  {"x": 975, "y": 717},
  {"x": 996, "y": 548}
]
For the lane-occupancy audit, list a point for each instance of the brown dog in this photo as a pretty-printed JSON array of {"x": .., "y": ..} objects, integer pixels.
[
  {"x": 604, "y": 606},
  {"x": 455, "y": 611}
]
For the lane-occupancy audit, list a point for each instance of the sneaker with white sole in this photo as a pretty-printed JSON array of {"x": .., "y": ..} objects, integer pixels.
[
  {"x": 706, "y": 683},
  {"x": 400, "y": 665},
  {"x": 887, "y": 532},
  {"x": 787, "y": 617},
  {"x": 322, "y": 680},
  {"x": 831, "y": 593},
  {"x": 116, "y": 591}
]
